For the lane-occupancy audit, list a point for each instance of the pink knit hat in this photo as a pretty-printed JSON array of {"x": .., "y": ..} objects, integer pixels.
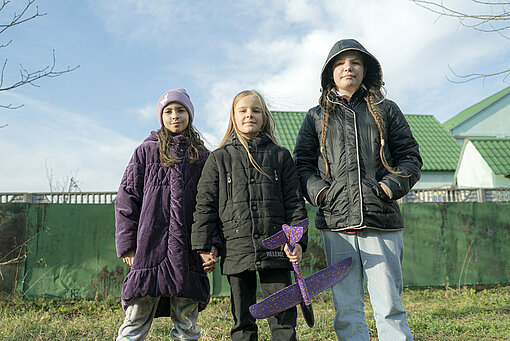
[{"x": 178, "y": 95}]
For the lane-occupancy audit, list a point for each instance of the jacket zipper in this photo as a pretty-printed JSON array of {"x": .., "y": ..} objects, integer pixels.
[
  {"x": 357, "y": 161},
  {"x": 229, "y": 186},
  {"x": 278, "y": 188}
]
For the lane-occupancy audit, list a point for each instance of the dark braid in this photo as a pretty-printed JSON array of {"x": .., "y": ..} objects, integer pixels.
[
  {"x": 381, "y": 126},
  {"x": 327, "y": 107},
  {"x": 165, "y": 143},
  {"x": 373, "y": 96}
]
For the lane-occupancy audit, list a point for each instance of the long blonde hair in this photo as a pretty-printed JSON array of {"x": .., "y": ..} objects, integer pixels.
[
  {"x": 268, "y": 125},
  {"x": 375, "y": 96}
]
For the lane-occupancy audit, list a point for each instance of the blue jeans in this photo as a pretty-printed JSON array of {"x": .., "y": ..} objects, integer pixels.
[
  {"x": 140, "y": 313},
  {"x": 377, "y": 258}
]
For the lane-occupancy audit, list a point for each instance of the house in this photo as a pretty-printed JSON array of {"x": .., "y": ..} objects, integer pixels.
[
  {"x": 484, "y": 163},
  {"x": 439, "y": 150},
  {"x": 489, "y": 118}
]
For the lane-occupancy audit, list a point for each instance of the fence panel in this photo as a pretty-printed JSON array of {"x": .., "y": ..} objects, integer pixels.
[{"x": 70, "y": 248}]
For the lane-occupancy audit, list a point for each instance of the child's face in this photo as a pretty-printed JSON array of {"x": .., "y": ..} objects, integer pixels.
[
  {"x": 248, "y": 116},
  {"x": 175, "y": 117},
  {"x": 348, "y": 71}
]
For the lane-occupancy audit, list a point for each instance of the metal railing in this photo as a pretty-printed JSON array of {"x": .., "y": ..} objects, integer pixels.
[
  {"x": 453, "y": 194},
  {"x": 414, "y": 196},
  {"x": 59, "y": 198}
]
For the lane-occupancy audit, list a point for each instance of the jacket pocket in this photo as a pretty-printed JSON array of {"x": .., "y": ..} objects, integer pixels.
[
  {"x": 374, "y": 189},
  {"x": 234, "y": 230}
]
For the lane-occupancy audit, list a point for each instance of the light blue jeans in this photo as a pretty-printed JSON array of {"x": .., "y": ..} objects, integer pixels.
[
  {"x": 377, "y": 258},
  {"x": 140, "y": 313}
]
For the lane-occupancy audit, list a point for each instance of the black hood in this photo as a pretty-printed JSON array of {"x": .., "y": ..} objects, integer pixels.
[{"x": 373, "y": 77}]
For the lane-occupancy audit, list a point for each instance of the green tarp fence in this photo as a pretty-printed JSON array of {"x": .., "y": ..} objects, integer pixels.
[{"x": 68, "y": 250}]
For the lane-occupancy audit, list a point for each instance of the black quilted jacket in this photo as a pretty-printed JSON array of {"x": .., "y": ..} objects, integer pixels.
[
  {"x": 248, "y": 206},
  {"x": 355, "y": 200}
]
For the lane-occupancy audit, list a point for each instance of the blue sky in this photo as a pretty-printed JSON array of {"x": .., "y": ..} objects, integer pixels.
[{"x": 86, "y": 123}]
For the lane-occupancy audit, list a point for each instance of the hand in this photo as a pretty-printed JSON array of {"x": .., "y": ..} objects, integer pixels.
[
  {"x": 322, "y": 195},
  {"x": 385, "y": 189},
  {"x": 294, "y": 255},
  {"x": 209, "y": 259},
  {"x": 128, "y": 257}
]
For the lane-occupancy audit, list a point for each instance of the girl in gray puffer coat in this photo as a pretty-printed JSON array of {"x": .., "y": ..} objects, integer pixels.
[
  {"x": 153, "y": 213},
  {"x": 249, "y": 188}
]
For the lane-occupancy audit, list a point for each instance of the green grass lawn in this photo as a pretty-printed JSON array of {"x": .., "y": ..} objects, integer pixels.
[{"x": 433, "y": 314}]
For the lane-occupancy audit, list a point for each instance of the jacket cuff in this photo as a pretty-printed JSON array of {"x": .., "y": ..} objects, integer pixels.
[
  {"x": 384, "y": 186},
  {"x": 316, "y": 199}
]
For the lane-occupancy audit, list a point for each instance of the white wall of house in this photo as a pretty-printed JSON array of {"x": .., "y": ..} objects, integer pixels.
[
  {"x": 435, "y": 179},
  {"x": 474, "y": 171}
]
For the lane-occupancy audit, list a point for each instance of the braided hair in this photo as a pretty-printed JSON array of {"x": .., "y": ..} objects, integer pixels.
[{"x": 373, "y": 83}]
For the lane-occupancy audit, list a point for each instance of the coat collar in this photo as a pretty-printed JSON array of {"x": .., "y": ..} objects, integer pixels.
[
  {"x": 260, "y": 141},
  {"x": 334, "y": 97}
]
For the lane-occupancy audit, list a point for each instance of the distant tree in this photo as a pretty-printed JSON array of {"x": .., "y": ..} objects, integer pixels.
[
  {"x": 494, "y": 17},
  {"x": 68, "y": 184},
  {"x": 27, "y": 13}
]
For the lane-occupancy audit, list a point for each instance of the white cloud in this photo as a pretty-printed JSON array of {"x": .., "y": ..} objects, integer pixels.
[
  {"x": 414, "y": 48},
  {"x": 68, "y": 143},
  {"x": 147, "y": 112},
  {"x": 139, "y": 21}
]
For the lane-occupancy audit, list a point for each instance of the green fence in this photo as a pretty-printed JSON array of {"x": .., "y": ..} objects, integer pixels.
[{"x": 68, "y": 250}]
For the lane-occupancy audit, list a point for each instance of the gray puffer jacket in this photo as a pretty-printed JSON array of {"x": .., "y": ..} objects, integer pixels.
[{"x": 247, "y": 206}]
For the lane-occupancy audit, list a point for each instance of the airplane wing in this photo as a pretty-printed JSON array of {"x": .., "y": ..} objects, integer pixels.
[
  {"x": 291, "y": 295},
  {"x": 276, "y": 240}
]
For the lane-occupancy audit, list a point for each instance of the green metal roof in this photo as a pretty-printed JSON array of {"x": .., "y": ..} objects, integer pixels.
[
  {"x": 496, "y": 152},
  {"x": 287, "y": 127},
  {"x": 439, "y": 150},
  {"x": 465, "y": 114}
]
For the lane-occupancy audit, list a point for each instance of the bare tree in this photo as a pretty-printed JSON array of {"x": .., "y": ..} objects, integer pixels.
[
  {"x": 493, "y": 17},
  {"x": 27, "y": 13},
  {"x": 68, "y": 184}
]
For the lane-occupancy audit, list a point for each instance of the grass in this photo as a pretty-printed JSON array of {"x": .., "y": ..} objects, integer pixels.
[{"x": 433, "y": 314}]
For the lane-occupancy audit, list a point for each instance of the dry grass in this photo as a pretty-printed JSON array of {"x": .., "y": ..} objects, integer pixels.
[{"x": 433, "y": 314}]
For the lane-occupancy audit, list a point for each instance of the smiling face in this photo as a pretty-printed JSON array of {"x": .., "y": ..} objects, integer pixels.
[
  {"x": 348, "y": 71},
  {"x": 249, "y": 116},
  {"x": 175, "y": 117}
]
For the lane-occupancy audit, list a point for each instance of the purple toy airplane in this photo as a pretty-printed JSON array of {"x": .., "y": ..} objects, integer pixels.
[{"x": 305, "y": 288}]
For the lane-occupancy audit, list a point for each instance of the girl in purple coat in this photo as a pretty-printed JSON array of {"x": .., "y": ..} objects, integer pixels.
[{"x": 153, "y": 214}]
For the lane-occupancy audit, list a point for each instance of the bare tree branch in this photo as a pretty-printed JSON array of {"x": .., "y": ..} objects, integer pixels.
[
  {"x": 491, "y": 2},
  {"x": 496, "y": 21},
  {"x": 26, "y": 77},
  {"x": 68, "y": 184},
  {"x": 6, "y": 44},
  {"x": 441, "y": 9},
  {"x": 18, "y": 19},
  {"x": 10, "y": 106},
  {"x": 473, "y": 76}
]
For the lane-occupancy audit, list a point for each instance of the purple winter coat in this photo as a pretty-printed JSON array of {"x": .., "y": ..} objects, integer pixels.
[{"x": 153, "y": 214}]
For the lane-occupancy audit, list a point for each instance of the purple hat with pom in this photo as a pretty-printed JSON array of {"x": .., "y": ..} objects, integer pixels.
[{"x": 178, "y": 95}]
